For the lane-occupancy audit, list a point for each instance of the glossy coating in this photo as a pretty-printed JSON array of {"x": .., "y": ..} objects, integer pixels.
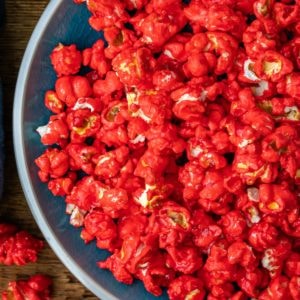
[{"x": 64, "y": 22}]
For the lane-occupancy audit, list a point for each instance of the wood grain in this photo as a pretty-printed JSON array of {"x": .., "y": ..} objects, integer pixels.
[{"x": 21, "y": 17}]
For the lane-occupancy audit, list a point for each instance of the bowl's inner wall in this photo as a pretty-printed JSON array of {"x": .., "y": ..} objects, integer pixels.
[{"x": 67, "y": 25}]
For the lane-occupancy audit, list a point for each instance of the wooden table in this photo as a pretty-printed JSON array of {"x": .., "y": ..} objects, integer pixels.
[{"x": 21, "y": 17}]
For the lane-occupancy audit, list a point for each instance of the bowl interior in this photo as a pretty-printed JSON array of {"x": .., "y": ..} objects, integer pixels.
[{"x": 67, "y": 23}]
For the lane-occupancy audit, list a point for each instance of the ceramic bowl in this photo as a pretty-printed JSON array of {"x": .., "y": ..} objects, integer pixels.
[{"x": 65, "y": 22}]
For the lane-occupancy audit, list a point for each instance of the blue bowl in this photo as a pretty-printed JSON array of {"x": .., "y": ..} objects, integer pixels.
[{"x": 65, "y": 22}]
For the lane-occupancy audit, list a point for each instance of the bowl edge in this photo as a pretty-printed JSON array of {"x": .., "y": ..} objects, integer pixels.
[{"x": 18, "y": 144}]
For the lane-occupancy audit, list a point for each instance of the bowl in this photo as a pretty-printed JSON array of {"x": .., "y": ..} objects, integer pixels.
[{"x": 65, "y": 22}]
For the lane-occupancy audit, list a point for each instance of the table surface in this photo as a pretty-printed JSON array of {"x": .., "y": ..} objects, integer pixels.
[{"x": 21, "y": 17}]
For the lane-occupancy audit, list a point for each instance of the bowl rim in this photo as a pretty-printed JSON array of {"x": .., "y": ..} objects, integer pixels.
[{"x": 19, "y": 150}]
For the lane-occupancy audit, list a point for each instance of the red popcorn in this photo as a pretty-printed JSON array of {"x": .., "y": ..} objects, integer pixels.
[
  {"x": 208, "y": 157},
  {"x": 241, "y": 253},
  {"x": 36, "y": 287},
  {"x": 17, "y": 247},
  {"x": 221, "y": 291},
  {"x": 205, "y": 230},
  {"x": 278, "y": 289},
  {"x": 263, "y": 8},
  {"x": 246, "y": 7},
  {"x": 100, "y": 226},
  {"x": 109, "y": 164},
  {"x": 256, "y": 39},
  {"x": 114, "y": 201},
  {"x": 186, "y": 287},
  {"x": 62, "y": 186},
  {"x": 274, "y": 257},
  {"x": 66, "y": 60},
  {"x": 118, "y": 39},
  {"x": 150, "y": 166},
  {"x": 113, "y": 137},
  {"x": 138, "y": 4},
  {"x": 94, "y": 57},
  {"x": 178, "y": 150},
  {"x": 110, "y": 84},
  {"x": 56, "y": 131},
  {"x": 106, "y": 13},
  {"x": 70, "y": 88},
  {"x": 83, "y": 123},
  {"x": 272, "y": 66},
  {"x": 153, "y": 195},
  {"x": 191, "y": 176},
  {"x": 292, "y": 265},
  {"x": 166, "y": 79},
  {"x": 155, "y": 274},
  {"x": 275, "y": 198},
  {"x": 152, "y": 106},
  {"x": 259, "y": 120},
  {"x": 189, "y": 103},
  {"x": 263, "y": 235},
  {"x": 184, "y": 259},
  {"x": 225, "y": 46},
  {"x": 159, "y": 26},
  {"x": 291, "y": 49},
  {"x": 86, "y": 193},
  {"x": 114, "y": 115},
  {"x": 217, "y": 17},
  {"x": 53, "y": 103},
  {"x": 81, "y": 157},
  {"x": 285, "y": 14},
  {"x": 134, "y": 223},
  {"x": 164, "y": 139},
  {"x": 219, "y": 269},
  {"x": 234, "y": 225},
  {"x": 251, "y": 282},
  {"x": 173, "y": 216},
  {"x": 213, "y": 186},
  {"x": 290, "y": 86},
  {"x": 134, "y": 67},
  {"x": 53, "y": 163},
  {"x": 294, "y": 287},
  {"x": 115, "y": 265}
]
